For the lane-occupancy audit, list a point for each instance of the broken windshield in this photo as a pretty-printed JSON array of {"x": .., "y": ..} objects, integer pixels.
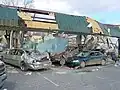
[
  {"x": 33, "y": 52},
  {"x": 83, "y": 54}
]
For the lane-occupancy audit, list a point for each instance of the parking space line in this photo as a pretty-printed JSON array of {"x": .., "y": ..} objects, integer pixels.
[
  {"x": 100, "y": 77},
  {"x": 51, "y": 81},
  {"x": 105, "y": 79}
]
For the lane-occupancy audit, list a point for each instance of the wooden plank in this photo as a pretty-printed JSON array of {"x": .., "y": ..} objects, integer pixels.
[{"x": 35, "y": 24}]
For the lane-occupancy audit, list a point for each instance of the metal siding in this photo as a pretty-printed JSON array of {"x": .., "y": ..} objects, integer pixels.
[
  {"x": 8, "y": 17},
  {"x": 72, "y": 23},
  {"x": 114, "y": 31}
]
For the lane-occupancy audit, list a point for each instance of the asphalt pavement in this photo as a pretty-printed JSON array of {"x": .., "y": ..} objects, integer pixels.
[{"x": 64, "y": 78}]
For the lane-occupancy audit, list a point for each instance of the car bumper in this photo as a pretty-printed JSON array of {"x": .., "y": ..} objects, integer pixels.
[
  {"x": 2, "y": 79},
  {"x": 43, "y": 65}
]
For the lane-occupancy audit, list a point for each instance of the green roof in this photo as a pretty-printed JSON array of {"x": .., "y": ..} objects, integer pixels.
[
  {"x": 8, "y": 16},
  {"x": 78, "y": 24},
  {"x": 114, "y": 31},
  {"x": 8, "y": 13},
  {"x": 70, "y": 23}
]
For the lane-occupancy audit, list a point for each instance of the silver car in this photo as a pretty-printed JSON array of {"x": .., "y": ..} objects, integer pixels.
[
  {"x": 26, "y": 59},
  {"x": 3, "y": 75}
]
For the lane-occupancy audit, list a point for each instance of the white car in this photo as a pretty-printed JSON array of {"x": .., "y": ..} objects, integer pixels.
[{"x": 26, "y": 59}]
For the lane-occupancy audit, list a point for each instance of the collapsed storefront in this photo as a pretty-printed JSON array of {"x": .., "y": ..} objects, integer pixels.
[{"x": 78, "y": 31}]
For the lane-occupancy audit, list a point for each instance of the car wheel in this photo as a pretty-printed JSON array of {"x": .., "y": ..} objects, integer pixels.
[
  {"x": 82, "y": 64},
  {"x": 23, "y": 66},
  {"x": 103, "y": 62},
  {"x": 62, "y": 62},
  {"x": 109, "y": 57}
]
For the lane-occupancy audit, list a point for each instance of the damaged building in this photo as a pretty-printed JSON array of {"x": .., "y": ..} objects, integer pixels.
[{"x": 53, "y": 32}]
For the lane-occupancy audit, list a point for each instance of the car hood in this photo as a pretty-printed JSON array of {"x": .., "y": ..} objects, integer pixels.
[{"x": 38, "y": 57}]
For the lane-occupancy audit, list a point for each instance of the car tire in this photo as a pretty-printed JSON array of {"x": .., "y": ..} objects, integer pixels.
[
  {"x": 103, "y": 62},
  {"x": 23, "y": 66},
  {"x": 109, "y": 57},
  {"x": 62, "y": 61},
  {"x": 82, "y": 64}
]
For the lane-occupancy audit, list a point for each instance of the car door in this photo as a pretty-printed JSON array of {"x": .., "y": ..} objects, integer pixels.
[
  {"x": 93, "y": 58},
  {"x": 99, "y": 57},
  {"x": 18, "y": 56},
  {"x": 6, "y": 56},
  {"x": 9, "y": 57}
]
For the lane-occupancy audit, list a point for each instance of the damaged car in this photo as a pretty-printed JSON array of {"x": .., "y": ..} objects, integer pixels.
[
  {"x": 62, "y": 57},
  {"x": 26, "y": 59},
  {"x": 85, "y": 58}
]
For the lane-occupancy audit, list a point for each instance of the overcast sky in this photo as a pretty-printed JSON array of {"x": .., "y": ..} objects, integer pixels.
[{"x": 106, "y": 11}]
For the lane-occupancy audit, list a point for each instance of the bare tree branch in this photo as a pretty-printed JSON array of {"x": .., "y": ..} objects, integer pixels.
[
  {"x": 12, "y": 2},
  {"x": 6, "y": 2}
]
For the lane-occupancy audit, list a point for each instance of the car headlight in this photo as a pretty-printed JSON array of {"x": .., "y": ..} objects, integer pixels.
[{"x": 76, "y": 61}]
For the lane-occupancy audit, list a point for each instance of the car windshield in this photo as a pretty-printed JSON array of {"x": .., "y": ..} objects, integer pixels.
[
  {"x": 83, "y": 54},
  {"x": 33, "y": 52}
]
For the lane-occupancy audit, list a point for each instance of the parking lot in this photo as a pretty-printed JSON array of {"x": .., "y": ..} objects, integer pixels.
[{"x": 64, "y": 78}]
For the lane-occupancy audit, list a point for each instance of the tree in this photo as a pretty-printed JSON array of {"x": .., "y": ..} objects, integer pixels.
[{"x": 22, "y": 3}]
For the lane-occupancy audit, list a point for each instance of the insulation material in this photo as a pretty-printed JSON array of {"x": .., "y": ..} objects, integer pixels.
[
  {"x": 95, "y": 26},
  {"x": 55, "y": 45},
  {"x": 24, "y": 16}
]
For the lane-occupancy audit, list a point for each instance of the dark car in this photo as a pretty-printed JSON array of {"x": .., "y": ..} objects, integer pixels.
[
  {"x": 87, "y": 58},
  {"x": 3, "y": 75},
  {"x": 26, "y": 59}
]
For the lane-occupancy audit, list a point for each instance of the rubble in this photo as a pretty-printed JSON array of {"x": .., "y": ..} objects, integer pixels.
[{"x": 28, "y": 73}]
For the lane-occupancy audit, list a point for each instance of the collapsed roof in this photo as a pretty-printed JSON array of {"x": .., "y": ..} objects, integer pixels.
[{"x": 61, "y": 22}]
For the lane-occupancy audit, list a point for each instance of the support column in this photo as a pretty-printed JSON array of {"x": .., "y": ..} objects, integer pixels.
[
  {"x": 11, "y": 39},
  {"x": 118, "y": 46}
]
